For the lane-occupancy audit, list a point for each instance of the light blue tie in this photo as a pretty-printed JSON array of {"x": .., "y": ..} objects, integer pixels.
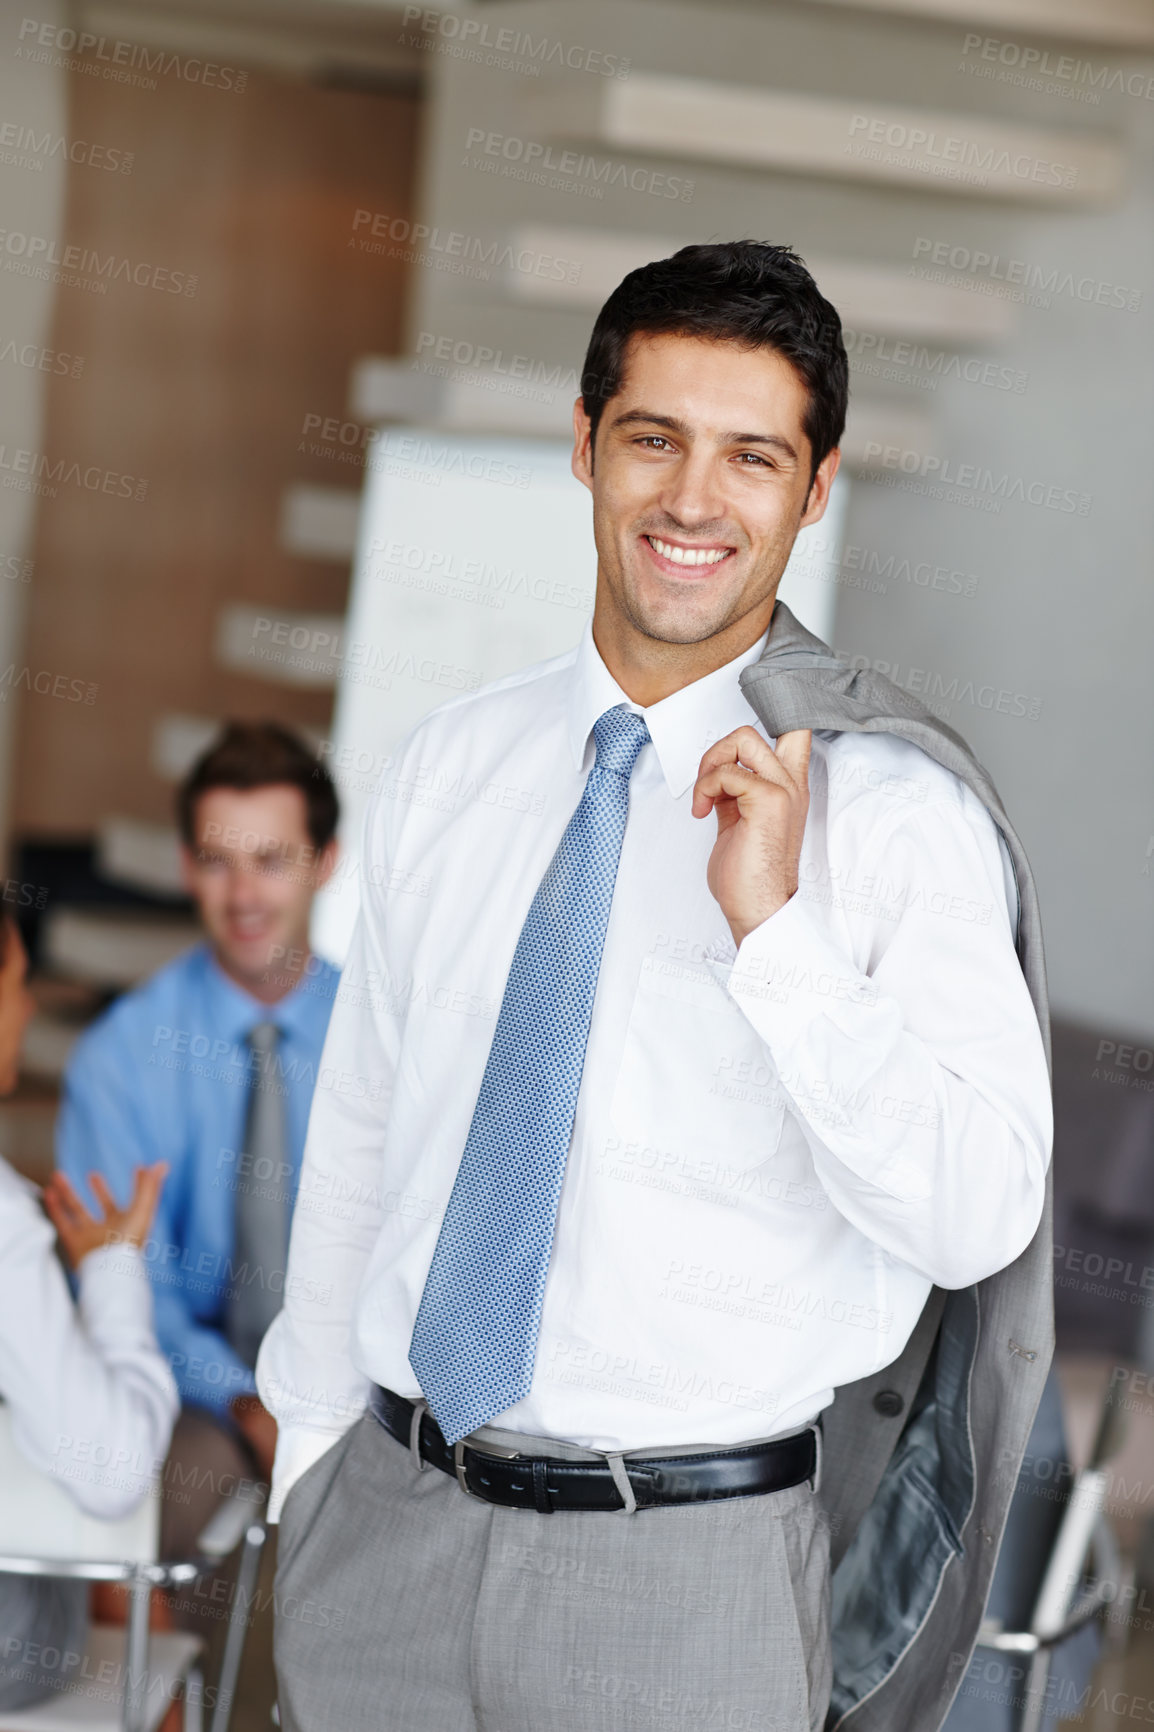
[{"x": 475, "y": 1337}]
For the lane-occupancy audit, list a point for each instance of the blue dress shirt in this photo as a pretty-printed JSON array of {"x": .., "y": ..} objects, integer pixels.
[{"x": 165, "y": 1074}]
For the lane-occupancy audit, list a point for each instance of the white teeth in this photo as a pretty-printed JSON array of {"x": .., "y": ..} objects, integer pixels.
[{"x": 687, "y": 555}]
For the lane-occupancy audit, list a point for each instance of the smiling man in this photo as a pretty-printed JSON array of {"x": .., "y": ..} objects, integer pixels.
[
  {"x": 750, "y": 1069},
  {"x": 210, "y": 1066}
]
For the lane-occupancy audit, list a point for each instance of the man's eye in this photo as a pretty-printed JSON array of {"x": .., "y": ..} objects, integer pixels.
[
  {"x": 754, "y": 457},
  {"x": 652, "y": 439}
]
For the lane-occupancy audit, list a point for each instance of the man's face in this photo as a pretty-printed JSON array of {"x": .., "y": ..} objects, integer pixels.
[
  {"x": 253, "y": 873},
  {"x": 701, "y": 483}
]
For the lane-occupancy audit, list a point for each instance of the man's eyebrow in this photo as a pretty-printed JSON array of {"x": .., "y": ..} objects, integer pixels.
[
  {"x": 645, "y": 417},
  {"x": 634, "y": 417}
]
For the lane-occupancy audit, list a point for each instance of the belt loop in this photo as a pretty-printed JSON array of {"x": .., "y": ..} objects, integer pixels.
[
  {"x": 420, "y": 1408},
  {"x": 540, "y": 1474},
  {"x": 623, "y": 1483}
]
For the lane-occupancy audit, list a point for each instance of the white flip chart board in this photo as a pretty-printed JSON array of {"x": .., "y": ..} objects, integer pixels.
[{"x": 475, "y": 557}]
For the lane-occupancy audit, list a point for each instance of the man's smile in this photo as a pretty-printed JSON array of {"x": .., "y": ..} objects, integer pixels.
[{"x": 678, "y": 557}]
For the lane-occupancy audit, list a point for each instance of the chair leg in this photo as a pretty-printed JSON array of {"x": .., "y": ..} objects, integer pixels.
[
  {"x": 243, "y": 1594},
  {"x": 1033, "y": 1711},
  {"x": 136, "y": 1654},
  {"x": 194, "y": 1700}
]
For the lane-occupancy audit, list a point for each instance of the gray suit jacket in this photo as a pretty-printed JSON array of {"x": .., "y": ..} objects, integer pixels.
[{"x": 921, "y": 1460}]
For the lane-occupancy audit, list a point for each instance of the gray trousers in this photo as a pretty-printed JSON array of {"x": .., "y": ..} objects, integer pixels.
[
  {"x": 43, "y": 1629},
  {"x": 404, "y": 1605}
]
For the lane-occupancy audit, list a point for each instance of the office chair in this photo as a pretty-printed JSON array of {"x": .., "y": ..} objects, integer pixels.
[
  {"x": 1081, "y": 1579},
  {"x": 128, "y": 1679}
]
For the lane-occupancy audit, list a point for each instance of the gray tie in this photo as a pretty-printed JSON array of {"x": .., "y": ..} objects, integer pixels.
[{"x": 256, "y": 1289}]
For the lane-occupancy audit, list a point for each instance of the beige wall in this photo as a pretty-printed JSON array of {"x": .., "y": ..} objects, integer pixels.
[
  {"x": 202, "y": 395},
  {"x": 33, "y": 210}
]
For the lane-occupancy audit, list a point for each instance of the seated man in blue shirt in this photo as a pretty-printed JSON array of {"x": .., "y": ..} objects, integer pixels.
[{"x": 210, "y": 1066}]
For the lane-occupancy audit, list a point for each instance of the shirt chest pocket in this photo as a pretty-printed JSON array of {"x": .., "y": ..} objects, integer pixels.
[{"x": 695, "y": 1079}]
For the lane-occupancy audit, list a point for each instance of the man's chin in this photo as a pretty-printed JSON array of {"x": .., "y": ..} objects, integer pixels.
[
  {"x": 678, "y": 623},
  {"x": 252, "y": 964}
]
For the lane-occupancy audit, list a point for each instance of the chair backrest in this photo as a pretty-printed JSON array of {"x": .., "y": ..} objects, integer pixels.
[{"x": 40, "y": 1519}]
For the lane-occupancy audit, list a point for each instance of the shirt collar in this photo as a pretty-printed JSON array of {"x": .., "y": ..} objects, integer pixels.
[
  {"x": 236, "y": 1013},
  {"x": 681, "y": 727}
]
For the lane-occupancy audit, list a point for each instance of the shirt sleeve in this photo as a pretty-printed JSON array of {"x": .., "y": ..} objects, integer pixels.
[
  {"x": 920, "y": 1079},
  {"x": 101, "y": 1128},
  {"x": 305, "y": 1373},
  {"x": 208, "y": 1370},
  {"x": 91, "y": 1398}
]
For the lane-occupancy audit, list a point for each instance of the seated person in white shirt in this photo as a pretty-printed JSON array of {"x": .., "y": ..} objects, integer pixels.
[{"x": 83, "y": 1383}]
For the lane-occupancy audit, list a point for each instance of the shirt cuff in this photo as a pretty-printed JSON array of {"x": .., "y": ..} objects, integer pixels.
[
  {"x": 787, "y": 974},
  {"x": 822, "y": 1018},
  {"x": 297, "y": 1449},
  {"x": 113, "y": 1290}
]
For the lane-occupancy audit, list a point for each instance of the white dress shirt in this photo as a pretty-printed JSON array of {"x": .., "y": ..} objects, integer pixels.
[
  {"x": 91, "y": 1398},
  {"x": 776, "y": 1151}
]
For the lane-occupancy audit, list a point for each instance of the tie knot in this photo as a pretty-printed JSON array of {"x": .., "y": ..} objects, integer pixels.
[
  {"x": 620, "y": 735},
  {"x": 263, "y": 1038}
]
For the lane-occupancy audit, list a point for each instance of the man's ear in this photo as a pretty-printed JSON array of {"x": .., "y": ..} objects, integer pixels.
[
  {"x": 819, "y": 488},
  {"x": 581, "y": 462}
]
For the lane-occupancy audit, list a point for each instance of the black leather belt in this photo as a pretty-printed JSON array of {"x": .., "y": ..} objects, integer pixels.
[{"x": 547, "y": 1484}]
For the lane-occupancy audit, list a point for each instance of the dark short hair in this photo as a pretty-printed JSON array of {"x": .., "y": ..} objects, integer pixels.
[
  {"x": 744, "y": 292},
  {"x": 249, "y": 755}
]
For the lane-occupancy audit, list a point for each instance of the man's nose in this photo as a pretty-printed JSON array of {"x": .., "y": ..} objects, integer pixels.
[
  {"x": 692, "y": 495},
  {"x": 244, "y": 883}
]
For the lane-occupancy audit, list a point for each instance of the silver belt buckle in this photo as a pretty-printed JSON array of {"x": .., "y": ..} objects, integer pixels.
[
  {"x": 459, "y": 1465},
  {"x": 815, "y": 1478}
]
